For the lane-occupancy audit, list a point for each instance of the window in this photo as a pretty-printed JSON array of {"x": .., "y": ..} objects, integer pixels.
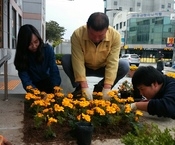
[
  {"x": 13, "y": 28},
  {"x": 120, "y": 8},
  {"x": 169, "y": 5},
  {"x": 131, "y": 9},
  {"x": 124, "y": 23},
  {"x": 120, "y": 25},
  {"x": 169, "y": 29},
  {"x": 138, "y": 4},
  {"x": 115, "y": 3},
  {"x": 116, "y": 26},
  {"x": 152, "y": 41},
  {"x": 162, "y": 6}
]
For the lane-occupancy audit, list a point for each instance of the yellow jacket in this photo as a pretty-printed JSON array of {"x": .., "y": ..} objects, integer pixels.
[{"x": 85, "y": 53}]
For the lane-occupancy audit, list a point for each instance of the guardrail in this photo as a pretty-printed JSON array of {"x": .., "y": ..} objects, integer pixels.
[{"x": 3, "y": 61}]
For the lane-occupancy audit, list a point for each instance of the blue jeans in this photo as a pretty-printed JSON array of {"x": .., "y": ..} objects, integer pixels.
[{"x": 123, "y": 69}]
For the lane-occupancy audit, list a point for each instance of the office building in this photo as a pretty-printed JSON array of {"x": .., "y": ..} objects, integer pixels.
[{"x": 145, "y": 26}]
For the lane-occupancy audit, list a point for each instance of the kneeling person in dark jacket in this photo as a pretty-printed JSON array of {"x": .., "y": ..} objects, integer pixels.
[{"x": 159, "y": 90}]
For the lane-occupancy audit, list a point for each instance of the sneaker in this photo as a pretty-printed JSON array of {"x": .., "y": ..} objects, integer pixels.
[
  {"x": 98, "y": 88},
  {"x": 77, "y": 93}
]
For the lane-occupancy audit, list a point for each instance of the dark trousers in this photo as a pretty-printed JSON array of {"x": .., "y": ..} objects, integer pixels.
[
  {"x": 66, "y": 62},
  {"x": 44, "y": 85}
]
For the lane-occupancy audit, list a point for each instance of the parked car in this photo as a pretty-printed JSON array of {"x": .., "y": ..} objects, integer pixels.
[
  {"x": 133, "y": 59},
  {"x": 168, "y": 63}
]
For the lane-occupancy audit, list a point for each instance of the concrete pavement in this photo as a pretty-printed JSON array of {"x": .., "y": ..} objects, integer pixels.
[{"x": 11, "y": 112}]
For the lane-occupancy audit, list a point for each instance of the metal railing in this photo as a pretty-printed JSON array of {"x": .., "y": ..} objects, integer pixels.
[{"x": 3, "y": 61}]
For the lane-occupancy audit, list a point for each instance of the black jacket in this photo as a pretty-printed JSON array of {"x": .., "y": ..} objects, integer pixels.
[{"x": 163, "y": 104}]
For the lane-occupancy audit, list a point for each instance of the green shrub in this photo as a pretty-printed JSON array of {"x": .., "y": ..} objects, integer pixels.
[
  {"x": 149, "y": 135},
  {"x": 58, "y": 56}
]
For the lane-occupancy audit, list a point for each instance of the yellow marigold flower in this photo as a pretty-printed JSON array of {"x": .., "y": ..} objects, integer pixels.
[
  {"x": 50, "y": 96},
  {"x": 139, "y": 113},
  {"x": 110, "y": 110},
  {"x": 94, "y": 93},
  {"x": 107, "y": 103},
  {"x": 58, "y": 108},
  {"x": 67, "y": 103},
  {"x": 79, "y": 117},
  {"x": 99, "y": 94},
  {"x": 123, "y": 100},
  {"x": 52, "y": 100},
  {"x": 86, "y": 117},
  {"x": 99, "y": 102},
  {"x": 111, "y": 93},
  {"x": 130, "y": 99},
  {"x": 46, "y": 110},
  {"x": 57, "y": 89},
  {"x": 51, "y": 120},
  {"x": 60, "y": 95},
  {"x": 36, "y": 91},
  {"x": 51, "y": 110},
  {"x": 39, "y": 103},
  {"x": 82, "y": 99},
  {"x": 29, "y": 87},
  {"x": 116, "y": 107},
  {"x": 70, "y": 96},
  {"x": 133, "y": 67},
  {"x": 84, "y": 103},
  {"x": 40, "y": 115},
  {"x": 75, "y": 102},
  {"x": 90, "y": 112},
  {"x": 100, "y": 111},
  {"x": 28, "y": 96},
  {"x": 115, "y": 91},
  {"x": 127, "y": 108},
  {"x": 136, "y": 118},
  {"x": 46, "y": 102}
]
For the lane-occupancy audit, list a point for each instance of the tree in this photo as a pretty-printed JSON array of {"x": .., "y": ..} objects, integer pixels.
[{"x": 54, "y": 32}]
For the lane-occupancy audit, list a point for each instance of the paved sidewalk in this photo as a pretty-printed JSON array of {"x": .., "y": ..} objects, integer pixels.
[{"x": 11, "y": 113}]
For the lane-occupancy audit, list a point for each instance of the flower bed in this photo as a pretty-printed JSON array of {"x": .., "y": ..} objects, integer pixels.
[{"x": 51, "y": 110}]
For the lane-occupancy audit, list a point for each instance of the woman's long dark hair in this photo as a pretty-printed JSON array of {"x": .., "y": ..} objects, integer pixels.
[{"x": 22, "y": 47}]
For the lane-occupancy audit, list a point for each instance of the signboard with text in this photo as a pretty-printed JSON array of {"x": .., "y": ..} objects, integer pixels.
[{"x": 170, "y": 42}]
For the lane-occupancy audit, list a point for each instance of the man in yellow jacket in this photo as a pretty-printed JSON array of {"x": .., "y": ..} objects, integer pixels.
[{"x": 95, "y": 50}]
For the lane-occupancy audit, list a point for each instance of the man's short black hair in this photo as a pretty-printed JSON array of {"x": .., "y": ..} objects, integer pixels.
[
  {"x": 98, "y": 21},
  {"x": 146, "y": 75}
]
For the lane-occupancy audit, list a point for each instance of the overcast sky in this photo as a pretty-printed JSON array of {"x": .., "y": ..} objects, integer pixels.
[{"x": 71, "y": 14}]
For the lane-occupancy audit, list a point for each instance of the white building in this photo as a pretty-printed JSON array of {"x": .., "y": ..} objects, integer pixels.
[{"x": 114, "y": 6}]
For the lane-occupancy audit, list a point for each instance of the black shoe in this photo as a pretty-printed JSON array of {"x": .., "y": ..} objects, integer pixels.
[
  {"x": 98, "y": 88},
  {"x": 77, "y": 93}
]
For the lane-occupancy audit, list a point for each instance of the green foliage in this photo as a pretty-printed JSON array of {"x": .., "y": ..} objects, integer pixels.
[
  {"x": 58, "y": 56},
  {"x": 149, "y": 135},
  {"x": 54, "y": 32}
]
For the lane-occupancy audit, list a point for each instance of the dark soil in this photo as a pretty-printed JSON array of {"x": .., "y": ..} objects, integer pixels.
[{"x": 64, "y": 134}]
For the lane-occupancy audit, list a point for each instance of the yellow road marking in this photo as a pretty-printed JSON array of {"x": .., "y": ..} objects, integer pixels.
[{"x": 12, "y": 84}]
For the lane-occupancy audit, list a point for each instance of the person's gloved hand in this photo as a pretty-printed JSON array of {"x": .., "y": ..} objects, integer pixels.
[
  {"x": 88, "y": 93},
  {"x": 133, "y": 106},
  {"x": 105, "y": 94}
]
